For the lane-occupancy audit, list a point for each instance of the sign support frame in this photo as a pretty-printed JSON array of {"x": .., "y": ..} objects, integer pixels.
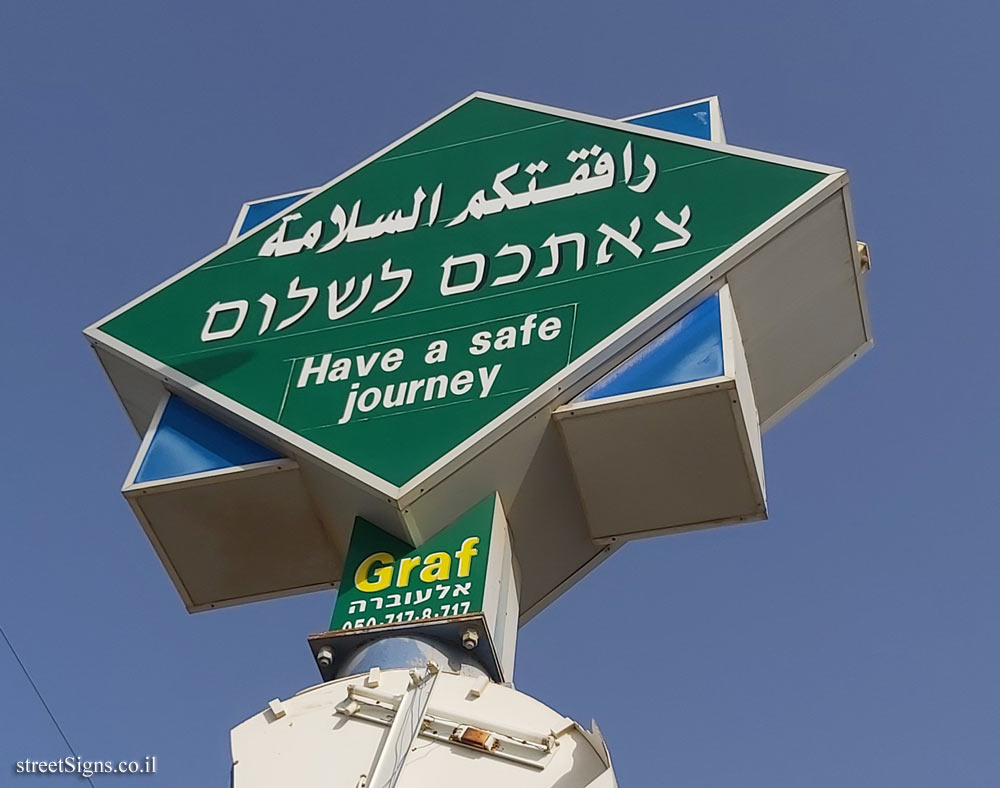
[{"x": 564, "y": 383}]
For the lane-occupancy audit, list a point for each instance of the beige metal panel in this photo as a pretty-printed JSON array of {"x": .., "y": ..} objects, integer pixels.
[
  {"x": 551, "y": 541},
  {"x": 338, "y": 502},
  {"x": 225, "y": 538},
  {"x": 501, "y": 468},
  {"x": 736, "y": 368},
  {"x": 500, "y": 604},
  {"x": 799, "y": 301},
  {"x": 530, "y": 470},
  {"x": 139, "y": 392},
  {"x": 677, "y": 458}
]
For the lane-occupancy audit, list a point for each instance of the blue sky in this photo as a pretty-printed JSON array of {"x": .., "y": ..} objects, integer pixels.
[{"x": 850, "y": 640}]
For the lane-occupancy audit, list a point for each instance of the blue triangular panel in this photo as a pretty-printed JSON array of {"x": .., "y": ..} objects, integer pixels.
[
  {"x": 259, "y": 212},
  {"x": 694, "y": 120},
  {"x": 690, "y": 350},
  {"x": 188, "y": 441}
]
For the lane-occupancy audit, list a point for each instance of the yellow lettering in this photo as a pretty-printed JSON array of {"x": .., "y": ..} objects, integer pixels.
[
  {"x": 383, "y": 576},
  {"x": 465, "y": 554},
  {"x": 405, "y": 567},
  {"x": 437, "y": 566}
]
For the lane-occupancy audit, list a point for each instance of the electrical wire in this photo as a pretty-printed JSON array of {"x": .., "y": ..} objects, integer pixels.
[{"x": 34, "y": 686}]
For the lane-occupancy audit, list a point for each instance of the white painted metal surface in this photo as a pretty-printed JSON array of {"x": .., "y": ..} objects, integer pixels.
[
  {"x": 500, "y": 603},
  {"x": 471, "y": 732},
  {"x": 402, "y": 734}
]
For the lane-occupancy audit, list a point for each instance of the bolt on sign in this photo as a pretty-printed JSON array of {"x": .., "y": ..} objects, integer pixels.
[{"x": 403, "y": 335}]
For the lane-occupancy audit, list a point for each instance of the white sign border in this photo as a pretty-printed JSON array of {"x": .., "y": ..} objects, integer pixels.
[
  {"x": 544, "y": 394},
  {"x": 716, "y": 130}
]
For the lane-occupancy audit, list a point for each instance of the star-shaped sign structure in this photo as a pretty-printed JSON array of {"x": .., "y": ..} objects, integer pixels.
[{"x": 394, "y": 327}]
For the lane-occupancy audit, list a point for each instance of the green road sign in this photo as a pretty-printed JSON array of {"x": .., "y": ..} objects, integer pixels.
[
  {"x": 407, "y": 309},
  {"x": 386, "y": 581}
]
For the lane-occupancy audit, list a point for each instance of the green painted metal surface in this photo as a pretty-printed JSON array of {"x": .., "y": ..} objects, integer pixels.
[
  {"x": 347, "y": 381},
  {"x": 386, "y": 581}
]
